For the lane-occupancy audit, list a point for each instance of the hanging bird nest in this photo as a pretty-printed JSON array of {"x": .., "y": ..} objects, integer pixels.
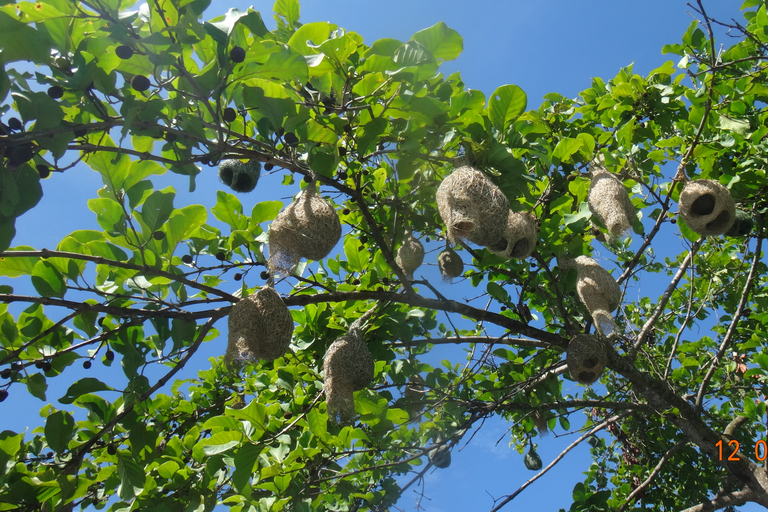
[
  {"x": 414, "y": 396},
  {"x": 586, "y": 358},
  {"x": 347, "y": 367},
  {"x": 450, "y": 264},
  {"x": 260, "y": 327},
  {"x": 609, "y": 201},
  {"x": 707, "y": 207},
  {"x": 441, "y": 457},
  {"x": 520, "y": 237},
  {"x": 307, "y": 228},
  {"x": 410, "y": 255},
  {"x": 599, "y": 292},
  {"x": 472, "y": 207},
  {"x": 240, "y": 176}
]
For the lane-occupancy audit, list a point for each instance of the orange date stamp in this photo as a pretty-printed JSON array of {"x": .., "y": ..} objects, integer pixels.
[{"x": 733, "y": 447}]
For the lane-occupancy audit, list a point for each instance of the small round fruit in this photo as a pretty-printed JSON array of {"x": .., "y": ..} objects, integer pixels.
[
  {"x": 186, "y": 259},
  {"x": 47, "y": 366},
  {"x": 345, "y": 211},
  {"x": 55, "y": 92},
  {"x": 238, "y": 276},
  {"x": 3, "y": 395},
  {"x": 15, "y": 124},
  {"x": 109, "y": 356},
  {"x": 307, "y": 179},
  {"x": 268, "y": 167},
  {"x": 221, "y": 256},
  {"x": 264, "y": 275},
  {"x": 87, "y": 364},
  {"x": 237, "y": 54},
  {"x": 140, "y": 83},
  {"x": 342, "y": 176},
  {"x": 170, "y": 137},
  {"x": 229, "y": 115},
  {"x": 158, "y": 235},
  {"x": 43, "y": 171},
  {"x": 111, "y": 449},
  {"x": 290, "y": 139},
  {"x": 124, "y": 52},
  {"x": 6, "y": 373},
  {"x": 342, "y": 151}
]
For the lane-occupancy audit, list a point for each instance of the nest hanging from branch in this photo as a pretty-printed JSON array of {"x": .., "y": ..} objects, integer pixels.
[
  {"x": 707, "y": 207},
  {"x": 260, "y": 327},
  {"x": 240, "y": 176},
  {"x": 520, "y": 237},
  {"x": 347, "y": 367},
  {"x": 410, "y": 255},
  {"x": 450, "y": 264},
  {"x": 308, "y": 228},
  {"x": 586, "y": 358},
  {"x": 414, "y": 396},
  {"x": 599, "y": 292},
  {"x": 609, "y": 201},
  {"x": 472, "y": 207}
]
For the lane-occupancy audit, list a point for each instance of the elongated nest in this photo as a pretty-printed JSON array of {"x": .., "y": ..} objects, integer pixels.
[
  {"x": 307, "y": 228},
  {"x": 586, "y": 358},
  {"x": 599, "y": 292},
  {"x": 707, "y": 207},
  {"x": 609, "y": 201},
  {"x": 414, "y": 396},
  {"x": 520, "y": 236},
  {"x": 472, "y": 207},
  {"x": 410, "y": 255},
  {"x": 240, "y": 176},
  {"x": 450, "y": 264},
  {"x": 347, "y": 367},
  {"x": 260, "y": 327}
]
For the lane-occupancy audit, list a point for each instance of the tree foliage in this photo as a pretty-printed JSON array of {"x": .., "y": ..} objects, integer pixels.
[{"x": 133, "y": 92}]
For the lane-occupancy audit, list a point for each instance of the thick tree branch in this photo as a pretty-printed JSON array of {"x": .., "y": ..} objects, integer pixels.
[{"x": 733, "y": 499}]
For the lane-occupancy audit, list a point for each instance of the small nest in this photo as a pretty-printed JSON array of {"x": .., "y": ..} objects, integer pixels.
[
  {"x": 609, "y": 201},
  {"x": 586, "y": 358},
  {"x": 414, "y": 396},
  {"x": 520, "y": 237},
  {"x": 441, "y": 457},
  {"x": 450, "y": 264},
  {"x": 472, "y": 207},
  {"x": 599, "y": 292},
  {"x": 260, "y": 327},
  {"x": 347, "y": 367},
  {"x": 240, "y": 176},
  {"x": 707, "y": 207},
  {"x": 410, "y": 255},
  {"x": 307, "y": 228}
]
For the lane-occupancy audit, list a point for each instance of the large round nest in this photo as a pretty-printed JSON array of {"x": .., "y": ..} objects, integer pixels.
[
  {"x": 707, "y": 207},
  {"x": 450, "y": 264},
  {"x": 586, "y": 358},
  {"x": 307, "y": 228},
  {"x": 472, "y": 207},
  {"x": 260, "y": 327},
  {"x": 410, "y": 255},
  {"x": 609, "y": 201},
  {"x": 599, "y": 292},
  {"x": 240, "y": 176},
  {"x": 347, "y": 367},
  {"x": 520, "y": 237}
]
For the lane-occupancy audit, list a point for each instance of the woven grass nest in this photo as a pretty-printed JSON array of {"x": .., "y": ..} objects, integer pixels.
[
  {"x": 347, "y": 367},
  {"x": 260, "y": 327},
  {"x": 707, "y": 207},
  {"x": 472, "y": 207},
  {"x": 410, "y": 255},
  {"x": 599, "y": 292},
  {"x": 586, "y": 358},
  {"x": 414, "y": 395},
  {"x": 609, "y": 201},
  {"x": 240, "y": 176},
  {"x": 450, "y": 264},
  {"x": 520, "y": 237},
  {"x": 307, "y": 228}
]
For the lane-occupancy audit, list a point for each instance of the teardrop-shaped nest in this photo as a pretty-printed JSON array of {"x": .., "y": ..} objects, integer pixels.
[
  {"x": 472, "y": 207},
  {"x": 609, "y": 201},
  {"x": 586, "y": 358},
  {"x": 410, "y": 255},
  {"x": 599, "y": 292},
  {"x": 240, "y": 176},
  {"x": 520, "y": 237},
  {"x": 347, "y": 367},
  {"x": 707, "y": 207},
  {"x": 260, "y": 327},
  {"x": 450, "y": 264},
  {"x": 414, "y": 396},
  {"x": 307, "y": 228}
]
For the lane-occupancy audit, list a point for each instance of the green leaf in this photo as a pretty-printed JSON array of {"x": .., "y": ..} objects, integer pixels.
[
  {"x": 255, "y": 413},
  {"x": 354, "y": 255},
  {"x": 221, "y": 442},
  {"x": 82, "y": 387},
  {"x": 132, "y": 478},
  {"x": 109, "y": 214},
  {"x": 265, "y": 211},
  {"x": 318, "y": 423},
  {"x": 498, "y": 293},
  {"x": 686, "y": 231},
  {"x": 47, "y": 280},
  {"x": 37, "y": 386},
  {"x": 229, "y": 210},
  {"x": 59, "y": 430},
  {"x": 22, "y": 42},
  {"x": 288, "y": 10},
  {"x": 444, "y": 43},
  {"x": 157, "y": 209},
  {"x": 566, "y": 148},
  {"x": 505, "y": 105},
  {"x": 15, "y": 267}
]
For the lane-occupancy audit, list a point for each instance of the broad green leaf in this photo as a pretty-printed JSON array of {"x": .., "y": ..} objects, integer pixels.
[
  {"x": 265, "y": 211},
  {"x": 221, "y": 442},
  {"x": 287, "y": 9},
  {"x": 498, "y": 293},
  {"x": 47, "y": 280},
  {"x": 83, "y": 386},
  {"x": 132, "y": 477},
  {"x": 22, "y": 42},
  {"x": 37, "y": 385},
  {"x": 566, "y": 148},
  {"x": 113, "y": 166},
  {"x": 444, "y": 43},
  {"x": 15, "y": 267},
  {"x": 157, "y": 209},
  {"x": 314, "y": 34},
  {"x": 229, "y": 210},
  {"x": 318, "y": 423},
  {"x": 354, "y": 254},
  {"x": 505, "y": 105},
  {"x": 59, "y": 430},
  {"x": 109, "y": 214}
]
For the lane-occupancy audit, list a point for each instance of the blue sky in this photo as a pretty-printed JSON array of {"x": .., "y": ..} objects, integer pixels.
[{"x": 543, "y": 47}]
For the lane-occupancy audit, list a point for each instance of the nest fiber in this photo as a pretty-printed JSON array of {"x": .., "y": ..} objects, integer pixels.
[
  {"x": 472, "y": 207},
  {"x": 410, "y": 255},
  {"x": 347, "y": 367},
  {"x": 586, "y": 358},
  {"x": 520, "y": 237},
  {"x": 240, "y": 176},
  {"x": 609, "y": 201},
  {"x": 441, "y": 457},
  {"x": 707, "y": 207},
  {"x": 414, "y": 395},
  {"x": 260, "y": 327},
  {"x": 308, "y": 228},
  {"x": 450, "y": 264},
  {"x": 599, "y": 292}
]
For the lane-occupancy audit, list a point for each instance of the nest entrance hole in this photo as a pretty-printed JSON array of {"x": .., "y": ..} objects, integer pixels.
[
  {"x": 591, "y": 362},
  {"x": 521, "y": 249},
  {"x": 721, "y": 223},
  {"x": 243, "y": 180},
  {"x": 704, "y": 205},
  {"x": 587, "y": 376}
]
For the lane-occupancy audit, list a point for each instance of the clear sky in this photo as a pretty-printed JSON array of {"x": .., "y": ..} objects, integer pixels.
[{"x": 542, "y": 46}]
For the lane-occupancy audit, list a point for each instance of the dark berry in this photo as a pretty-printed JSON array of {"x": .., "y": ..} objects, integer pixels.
[
  {"x": 288, "y": 415},
  {"x": 571, "y": 177},
  {"x": 238, "y": 276},
  {"x": 16, "y": 366},
  {"x": 21, "y": 153},
  {"x": 363, "y": 239},
  {"x": 342, "y": 175},
  {"x": 140, "y": 83},
  {"x": 87, "y": 364},
  {"x": 39, "y": 364},
  {"x": 49, "y": 455},
  {"x": 111, "y": 449},
  {"x": 3, "y": 395},
  {"x": 290, "y": 139},
  {"x": 384, "y": 280},
  {"x": 345, "y": 211},
  {"x": 47, "y": 366},
  {"x": 205, "y": 160},
  {"x": 158, "y": 235},
  {"x": 221, "y": 256},
  {"x": 673, "y": 221},
  {"x": 264, "y": 275},
  {"x": 171, "y": 137},
  {"x": 15, "y": 124},
  {"x": 427, "y": 239},
  {"x": 356, "y": 282},
  {"x": 747, "y": 312},
  {"x": 503, "y": 308},
  {"x": 186, "y": 259},
  {"x": 307, "y": 179},
  {"x": 237, "y": 54},
  {"x": 43, "y": 171},
  {"x": 229, "y": 115},
  {"x": 268, "y": 167},
  {"x": 109, "y": 356},
  {"x": 124, "y": 52},
  {"x": 347, "y": 128},
  {"x": 5, "y": 373},
  {"x": 55, "y": 92}
]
